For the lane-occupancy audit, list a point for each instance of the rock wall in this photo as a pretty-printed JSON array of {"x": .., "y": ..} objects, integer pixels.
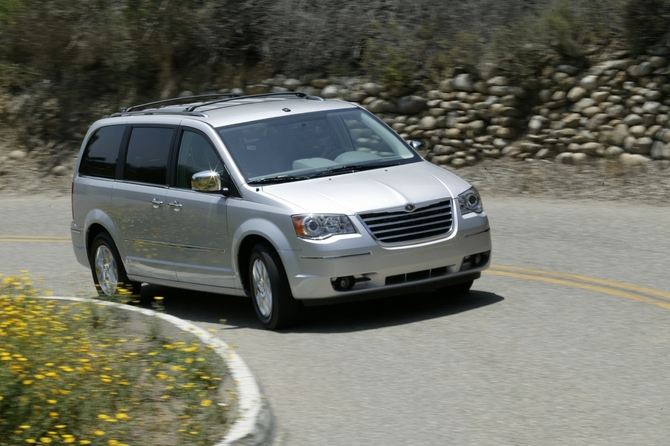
[{"x": 615, "y": 109}]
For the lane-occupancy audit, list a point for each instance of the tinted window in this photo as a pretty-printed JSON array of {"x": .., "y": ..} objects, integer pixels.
[
  {"x": 147, "y": 157},
  {"x": 308, "y": 144},
  {"x": 196, "y": 154},
  {"x": 101, "y": 153}
]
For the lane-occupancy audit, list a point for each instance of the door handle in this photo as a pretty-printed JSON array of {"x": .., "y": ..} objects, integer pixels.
[
  {"x": 156, "y": 203},
  {"x": 175, "y": 205}
]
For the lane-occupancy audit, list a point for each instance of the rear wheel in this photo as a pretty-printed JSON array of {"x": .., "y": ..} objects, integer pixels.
[
  {"x": 274, "y": 304},
  {"x": 109, "y": 275}
]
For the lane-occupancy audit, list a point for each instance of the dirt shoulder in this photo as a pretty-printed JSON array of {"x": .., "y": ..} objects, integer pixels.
[
  {"x": 598, "y": 180},
  {"x": 603, "y": 180}
]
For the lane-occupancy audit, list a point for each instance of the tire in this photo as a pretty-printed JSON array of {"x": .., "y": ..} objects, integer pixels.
[
  {"x": 274, "y": 304},
  {"x": 458, "y": 290},
  {"x": 109, "y": 275}
]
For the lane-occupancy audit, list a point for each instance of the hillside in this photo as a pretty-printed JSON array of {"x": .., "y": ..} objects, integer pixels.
[{"x": 66, "y": 63}]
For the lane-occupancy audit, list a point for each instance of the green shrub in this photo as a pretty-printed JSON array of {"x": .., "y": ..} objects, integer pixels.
[
  {"x": 646, "y": 22},
  {"x": 390, "y": 56}
]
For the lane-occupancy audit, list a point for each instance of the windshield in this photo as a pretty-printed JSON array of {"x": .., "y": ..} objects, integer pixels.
[{"x": 294, "y": 148}]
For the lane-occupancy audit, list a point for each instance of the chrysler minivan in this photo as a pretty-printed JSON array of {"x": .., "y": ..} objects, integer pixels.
[{"x": 287, "y": 198}]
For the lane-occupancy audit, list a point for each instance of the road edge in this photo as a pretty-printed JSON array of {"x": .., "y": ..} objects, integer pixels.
[{"x": 255, "y": 424}]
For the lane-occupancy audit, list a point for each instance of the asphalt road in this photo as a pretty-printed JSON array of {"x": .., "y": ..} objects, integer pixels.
[{"x": 565, "y": 341}]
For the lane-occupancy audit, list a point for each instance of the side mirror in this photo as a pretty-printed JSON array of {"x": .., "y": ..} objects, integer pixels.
[
  {"x": 417, "y": 145},
  {"x": 208, "y": 181}
]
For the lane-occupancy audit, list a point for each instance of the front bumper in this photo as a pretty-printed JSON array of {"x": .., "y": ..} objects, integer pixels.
[{"x": 314, "y": 271}]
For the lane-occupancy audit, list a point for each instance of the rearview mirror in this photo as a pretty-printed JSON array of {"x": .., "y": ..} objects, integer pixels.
[
  {"x": 417, "y": 145},
  {"x": 207, "y": 181}
]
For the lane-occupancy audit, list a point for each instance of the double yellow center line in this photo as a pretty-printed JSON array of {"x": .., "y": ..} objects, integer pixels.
[
  {"x": 633, "y": 292},
  {"x": 35, "y": 239}
]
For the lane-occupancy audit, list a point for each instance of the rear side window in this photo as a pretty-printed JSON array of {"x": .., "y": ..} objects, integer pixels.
[
  {"x": 147, "y": 156},
  {"x": 102, "y": 151}
]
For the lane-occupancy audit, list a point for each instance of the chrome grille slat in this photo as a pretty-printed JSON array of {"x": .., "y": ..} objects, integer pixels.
[
  {"x": 403, "y": 220},
  {"x": 379, "y": 232},
  {"x": 407, "y": 215},
  {"x": 428, "y": 221}
]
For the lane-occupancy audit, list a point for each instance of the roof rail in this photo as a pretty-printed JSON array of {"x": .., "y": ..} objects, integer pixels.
[
  {"x": 191, "y": 108},
  {"x": 262, "y": 95},
  {"x": 167, "y": 101}
]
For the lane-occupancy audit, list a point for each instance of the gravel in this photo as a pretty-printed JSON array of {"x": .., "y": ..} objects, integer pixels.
[{"x": 597, "y": 180}]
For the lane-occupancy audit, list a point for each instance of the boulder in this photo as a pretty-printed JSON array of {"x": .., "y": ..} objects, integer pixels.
[
  {"x": 589, "y": 112},
  {"x": 319, "y": 83},
  {"x": 583, "y": 104},
  {"x": 379, "y": 106},
  {"x": 637, "y": 131},
  {"x": 596, "y": 121},
  {"x": 660, "y": 151},
  {"x": 506, "y": 133},
  {"x": 642, "y": 146},
  {"x": 615, "y": 111},
  {"x": 591, "y": 148},
  {"x": 411, "y": 105},
  {"x": 372, "y": 88},
  {"x": 652, "y": 107},
  {"x": 632, "y": 119},
  {"x": 428, "y": 123},
  {"x": 643, "y": 69},
  {"x": 330, "y": 91},
  {"x": 292, "y": 84},
  {"x": 477, "y": 126},
  {"x": 628, "y": 159},
  {"x": 464, "y": 82},
  {"x": 59, "y": 171},
  {"x": 579, "y": 158},
  {"x": 577, "y": 93},
  {"x": 613, "y": 152},
  {"x": 658, "y": 62},
  {"x": 446, "y": 86},
  {"x": 600, "y": 96},
  {"x": 257, "y": 89},
  {"x": 572, "y": 120},
  {"x": 18, "y": 154},
  {"x": 564, "y": 158},
  {"x": 589, "y": 83}
]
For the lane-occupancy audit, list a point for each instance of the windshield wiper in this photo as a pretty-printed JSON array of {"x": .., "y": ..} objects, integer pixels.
[
  {"x": 351, "y": 169},
  {"x": 278, "y": 179}
]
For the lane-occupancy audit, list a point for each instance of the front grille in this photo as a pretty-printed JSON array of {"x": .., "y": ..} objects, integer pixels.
[{"x": 401, "y": 226}]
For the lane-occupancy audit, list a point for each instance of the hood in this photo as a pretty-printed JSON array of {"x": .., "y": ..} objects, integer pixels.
[{"x": 371, "y": 190}]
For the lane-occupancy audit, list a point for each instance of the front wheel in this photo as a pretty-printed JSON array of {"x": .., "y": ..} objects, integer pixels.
[
  {"x": 274, "y": 304},
  {"x": 109, "y": 275}
]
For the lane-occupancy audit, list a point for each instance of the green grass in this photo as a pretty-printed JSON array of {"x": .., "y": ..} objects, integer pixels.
[{"x": 82, "y": 373}]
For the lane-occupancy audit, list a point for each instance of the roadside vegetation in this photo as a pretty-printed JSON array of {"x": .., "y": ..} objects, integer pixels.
[
  {"x": 64, "y": 63},
  {"x": 80, "y": 373}
]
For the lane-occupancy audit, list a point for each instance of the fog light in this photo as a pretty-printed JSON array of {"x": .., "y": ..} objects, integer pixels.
[
  {"x": 344, "y": 283},
  {"x": 478, "y": 259}
]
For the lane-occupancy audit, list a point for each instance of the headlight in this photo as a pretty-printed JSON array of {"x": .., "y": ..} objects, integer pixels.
[
  {"x": 470, "y": 201},
  {"x": 318, "y": 227}
]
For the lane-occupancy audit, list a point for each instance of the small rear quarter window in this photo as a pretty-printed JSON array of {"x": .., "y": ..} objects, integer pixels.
[{"x": 101, "y": 153}]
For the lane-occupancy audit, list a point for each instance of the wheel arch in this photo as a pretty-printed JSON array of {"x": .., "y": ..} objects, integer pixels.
[
  {"x": 244, "y": 254},
  {"x": 93, "y": 231}
]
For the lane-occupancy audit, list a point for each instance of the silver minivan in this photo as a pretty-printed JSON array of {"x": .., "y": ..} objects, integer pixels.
[{"x": 287, "y": 198}]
